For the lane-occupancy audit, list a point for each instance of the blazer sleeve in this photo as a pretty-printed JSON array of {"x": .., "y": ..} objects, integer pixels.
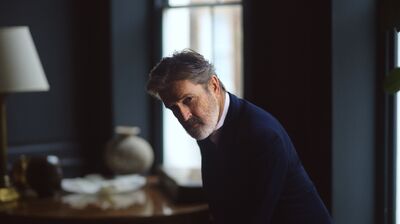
[{"x": 271, "y": 164}]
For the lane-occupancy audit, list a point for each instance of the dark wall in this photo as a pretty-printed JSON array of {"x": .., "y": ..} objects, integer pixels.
[
  {"x": 64, "y": 120},
  {"x": 89, "y": 76},
  {"x": 288, "y": 73},
  {"x": 130, "y": 63}
]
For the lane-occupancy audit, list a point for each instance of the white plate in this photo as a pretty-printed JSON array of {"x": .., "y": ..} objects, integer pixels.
[{"x": 94, "y": 184}]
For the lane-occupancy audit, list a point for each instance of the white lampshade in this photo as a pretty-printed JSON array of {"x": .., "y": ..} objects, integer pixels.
[{"x": 20, "y": 67}]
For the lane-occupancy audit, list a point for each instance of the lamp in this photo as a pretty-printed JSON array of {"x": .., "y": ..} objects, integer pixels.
[{"x": 20, "y": 71}]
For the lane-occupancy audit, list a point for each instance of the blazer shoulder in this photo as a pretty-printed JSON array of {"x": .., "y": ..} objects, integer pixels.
[{"x": 257, "y": 119}]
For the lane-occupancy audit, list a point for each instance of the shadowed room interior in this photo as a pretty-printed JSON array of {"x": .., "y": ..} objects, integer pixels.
[{"x": 316, "y": 65}]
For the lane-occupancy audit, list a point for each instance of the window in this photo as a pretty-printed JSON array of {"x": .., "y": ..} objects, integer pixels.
[{"x": 214, "y": 29}]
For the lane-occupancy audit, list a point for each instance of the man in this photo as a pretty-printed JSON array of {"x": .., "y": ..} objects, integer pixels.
[{"x": 251, "y": 171}]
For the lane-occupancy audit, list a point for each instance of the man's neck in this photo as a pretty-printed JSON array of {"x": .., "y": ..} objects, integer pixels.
[{"x": 221, "y": 104}]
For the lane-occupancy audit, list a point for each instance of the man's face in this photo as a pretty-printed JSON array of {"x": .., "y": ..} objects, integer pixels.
[{"x": 195, "y": 107}]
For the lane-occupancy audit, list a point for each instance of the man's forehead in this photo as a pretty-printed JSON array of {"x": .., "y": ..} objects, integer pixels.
[
  {"x": 171, "y": 97},
  {"x": 178, "y": 90}
]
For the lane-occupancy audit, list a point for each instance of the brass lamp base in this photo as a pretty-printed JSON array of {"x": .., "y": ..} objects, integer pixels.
[{"x": 8, "y": 194}]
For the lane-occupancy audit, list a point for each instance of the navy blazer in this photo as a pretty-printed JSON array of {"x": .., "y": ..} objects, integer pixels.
[{"x": 253, "y": 174}]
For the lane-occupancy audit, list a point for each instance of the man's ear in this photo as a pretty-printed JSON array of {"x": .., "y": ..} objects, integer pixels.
[{"x": 214, "y": 84}]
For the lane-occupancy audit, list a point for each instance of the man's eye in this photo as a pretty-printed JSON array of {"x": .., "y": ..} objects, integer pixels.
[{"x": 187, "y": 100}]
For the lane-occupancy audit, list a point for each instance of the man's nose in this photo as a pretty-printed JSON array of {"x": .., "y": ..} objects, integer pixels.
[{"x": 184, "y": 113}]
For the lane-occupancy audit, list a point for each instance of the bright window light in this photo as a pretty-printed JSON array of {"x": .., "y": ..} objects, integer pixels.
[{"x": 216, "y": 33}]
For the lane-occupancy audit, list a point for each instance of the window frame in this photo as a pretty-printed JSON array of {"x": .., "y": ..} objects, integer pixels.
[
  {"x": 385, "y": 192},
  {"x": 392, "y": 202}
]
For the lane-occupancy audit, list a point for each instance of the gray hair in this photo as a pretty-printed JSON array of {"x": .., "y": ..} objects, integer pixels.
[{"x": 184, "y": 65}]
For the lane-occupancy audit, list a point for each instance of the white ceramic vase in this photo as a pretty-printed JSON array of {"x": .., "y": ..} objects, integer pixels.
[{"x": 128, "y": 153}]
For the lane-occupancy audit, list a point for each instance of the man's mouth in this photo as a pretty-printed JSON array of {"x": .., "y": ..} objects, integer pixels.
[
  {"x": 191, "y": 126},
  {"x": 192, "y": 123}
]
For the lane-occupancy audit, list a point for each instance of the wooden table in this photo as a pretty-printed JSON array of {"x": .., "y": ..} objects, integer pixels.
[{"x": 151, "y": 206}]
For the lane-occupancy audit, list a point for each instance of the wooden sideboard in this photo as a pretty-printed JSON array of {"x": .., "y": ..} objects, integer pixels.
[{"x": 153, "y": 207}]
